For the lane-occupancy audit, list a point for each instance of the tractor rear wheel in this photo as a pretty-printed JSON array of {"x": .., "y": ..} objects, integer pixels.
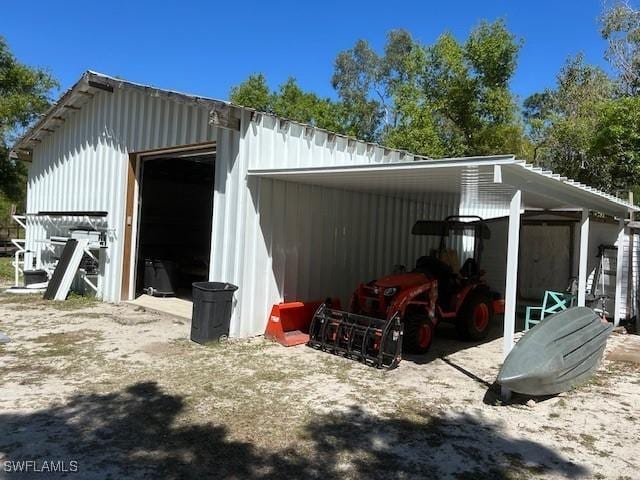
[
  {"x": 418, "y": 334},
  {"x": 475, "y": 318}
]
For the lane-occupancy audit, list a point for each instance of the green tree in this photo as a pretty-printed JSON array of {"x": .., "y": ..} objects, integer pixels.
[
  {"x": 615, "y": 146},
  {"x": 290, "y": 101},
  {"x": 620, "y": 27},
  {"x": 468, "y": 84},
  {"x": 564, "y": 121},
  {"x": 449, "y": 98},
  {"x": 24, "y": 94},
  {"x": 254, "y": 93},
  {"x": 356, "y": 80}
]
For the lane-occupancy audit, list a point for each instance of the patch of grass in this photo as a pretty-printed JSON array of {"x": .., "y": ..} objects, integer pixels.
[
  {"x": 22, "y": 300},
  {"x": 588, "y": 441},
  {"x": 64, "y": 343},
  {"x": 610, "y": 372},
  {"x": 518, "y": 463},
  {"x": 74, "y": 302},
  {"x": 29, "y": 374},
  {"x": 127, "y": 321},
  {"x": 20, "y": 368},
  {"x": 483, "y": 474},
  {"x": 87, "y": 315},
  {"x": 7, "y": 271}
]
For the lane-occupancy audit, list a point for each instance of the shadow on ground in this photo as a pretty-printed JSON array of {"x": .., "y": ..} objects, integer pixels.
[
  {"x": 137, "y": 433},
  {"x": 447, "y": 342}
]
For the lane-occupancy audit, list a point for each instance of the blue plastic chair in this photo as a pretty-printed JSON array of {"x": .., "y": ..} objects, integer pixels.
[{"x": 553, "y": 302}]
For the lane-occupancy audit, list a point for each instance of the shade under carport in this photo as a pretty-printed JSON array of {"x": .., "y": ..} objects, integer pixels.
[{"x": 506, "y": 184}]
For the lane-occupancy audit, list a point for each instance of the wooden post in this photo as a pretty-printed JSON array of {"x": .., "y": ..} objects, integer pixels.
[
  {"x": 584, "y": 255},
  {"x": 513, "y": 244}
]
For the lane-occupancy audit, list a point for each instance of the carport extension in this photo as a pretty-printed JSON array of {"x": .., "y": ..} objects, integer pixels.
[{"x": 503, "y": 181}]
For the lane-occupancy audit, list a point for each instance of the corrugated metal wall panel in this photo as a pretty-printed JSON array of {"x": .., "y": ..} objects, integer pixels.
[
  {"x": 605, "y": 233},
  {"x": 284, "y": 241},
  {"x": 635, "y": 277},
  {"x": 274, "y": 239},
  {"x": 283, "y": 144},
  {"x": 626, "y": 265},
  {"x": 82, "y": 166},
  {"x": 306, "y": 242}
]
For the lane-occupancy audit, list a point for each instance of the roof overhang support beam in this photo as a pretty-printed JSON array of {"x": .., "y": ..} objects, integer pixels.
[{"x": 510, "y": 297}]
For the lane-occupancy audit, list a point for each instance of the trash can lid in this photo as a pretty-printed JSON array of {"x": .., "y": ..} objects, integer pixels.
[{"x": 215, "y": 286}]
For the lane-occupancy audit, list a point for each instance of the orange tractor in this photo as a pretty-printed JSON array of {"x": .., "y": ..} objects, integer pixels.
[{"x": 399, "y": 312}]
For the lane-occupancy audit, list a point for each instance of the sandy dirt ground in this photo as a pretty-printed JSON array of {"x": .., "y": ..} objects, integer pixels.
[{"x": 117, "y": 392}]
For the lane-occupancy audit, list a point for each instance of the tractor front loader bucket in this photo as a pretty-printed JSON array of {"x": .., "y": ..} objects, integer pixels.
[{"x": 370, "y": 340}]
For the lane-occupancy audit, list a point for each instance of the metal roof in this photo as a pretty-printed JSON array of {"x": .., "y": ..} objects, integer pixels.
[
  {"x": 89, "y": 84},
  {"x": 491, "y": 179},
  {"x": 487, "y": 179},
  {"x": 92, "y": 82}
]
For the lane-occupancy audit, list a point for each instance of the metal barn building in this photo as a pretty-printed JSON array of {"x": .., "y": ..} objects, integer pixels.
[{"x": 283, "y": 210}]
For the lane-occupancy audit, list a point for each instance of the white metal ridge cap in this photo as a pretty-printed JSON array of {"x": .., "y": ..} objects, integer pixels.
[
  {"x": 454, "y": 162},
  {"x": 575, "y": 185},
  {"x": 93, "y": 75}
]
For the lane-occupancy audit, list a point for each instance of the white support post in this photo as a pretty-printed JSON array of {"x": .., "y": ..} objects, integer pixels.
[
  {"x": 513, "y": 244},
  {"x": 584, "y": 255},
  {"x": 619, "y": 263}
]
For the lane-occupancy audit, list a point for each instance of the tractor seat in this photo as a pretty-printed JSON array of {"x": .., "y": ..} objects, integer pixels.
[
  {"x": 469, "y": 268},
  {"x": 435, "y": 268}
]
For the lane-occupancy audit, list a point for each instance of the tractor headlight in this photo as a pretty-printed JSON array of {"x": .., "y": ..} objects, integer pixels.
[{"x": 390, "y": 292}]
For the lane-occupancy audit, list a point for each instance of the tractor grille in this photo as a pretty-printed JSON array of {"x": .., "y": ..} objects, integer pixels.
[{"x": 372, "y": 301}]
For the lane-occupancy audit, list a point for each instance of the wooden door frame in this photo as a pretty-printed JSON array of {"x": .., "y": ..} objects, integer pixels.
[{"x": 131, "y": 206}]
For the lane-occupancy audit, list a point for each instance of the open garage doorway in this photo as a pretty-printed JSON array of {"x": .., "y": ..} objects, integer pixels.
[{"x": 175, "y": 212}]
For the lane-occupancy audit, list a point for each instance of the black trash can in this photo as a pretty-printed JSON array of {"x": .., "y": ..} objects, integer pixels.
[
  {"x": 159, "y": 277},
  {"x": 32, "y": 277},
  {"x": 212, "y": 303}
]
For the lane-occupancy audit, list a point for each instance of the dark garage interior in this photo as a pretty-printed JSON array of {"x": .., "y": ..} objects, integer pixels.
[{"x": 176, "y": 208}]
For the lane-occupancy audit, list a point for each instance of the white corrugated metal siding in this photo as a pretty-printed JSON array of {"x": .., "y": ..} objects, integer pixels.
[
  {"x": 281, "y": 240},
  {"x": 82, "y": 166},
  {"x": 635, "y": 277},
  {"x": 276, "y": 240}
]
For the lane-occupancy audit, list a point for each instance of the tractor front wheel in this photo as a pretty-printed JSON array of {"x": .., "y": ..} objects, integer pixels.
[
  {"x": 475, "y": 318},
  {"x": 418, "y": 334}
]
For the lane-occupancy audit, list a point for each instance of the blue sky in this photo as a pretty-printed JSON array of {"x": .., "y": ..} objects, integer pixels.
[{"x": 207, "y": 47}]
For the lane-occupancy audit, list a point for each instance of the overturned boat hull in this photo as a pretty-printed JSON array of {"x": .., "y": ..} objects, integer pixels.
[{"x": 559, "y": 353}]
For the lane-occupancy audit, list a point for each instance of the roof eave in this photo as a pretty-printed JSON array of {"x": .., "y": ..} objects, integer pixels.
[{"x": 89, "y": 84}]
